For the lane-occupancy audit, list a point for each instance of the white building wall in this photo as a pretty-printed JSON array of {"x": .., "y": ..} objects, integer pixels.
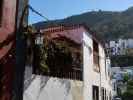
[
  {"x": 49, "y": 88},
  {"x": 119, "y": 46},
  {"x": 105, "y": 71},
  {"x": 42, "y": 87},
  {"x": 92, "y": 77},
  {"x": 89, "y": 77}
]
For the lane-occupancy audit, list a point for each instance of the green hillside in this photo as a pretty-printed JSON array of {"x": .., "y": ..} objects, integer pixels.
[{"x": 110, "y": 25}]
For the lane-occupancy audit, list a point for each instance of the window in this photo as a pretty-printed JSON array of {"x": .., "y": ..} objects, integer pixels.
[
  {"x": 60, "y": 57},
  {"x": 110, "y": 96},
  {"x": 105, "y": 97},
  {"x": 1, "y": 8},
  {"x": 103, "y": 94},
  {"x": 96, "y": 55},
  {"x": 95, "y": 92},
  {"x": 105, "y": 67}
]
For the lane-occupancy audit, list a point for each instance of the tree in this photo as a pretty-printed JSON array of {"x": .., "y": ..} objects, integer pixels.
[
  {"x": 126, "y": 78},
  {"x": 128, "y": 95}
]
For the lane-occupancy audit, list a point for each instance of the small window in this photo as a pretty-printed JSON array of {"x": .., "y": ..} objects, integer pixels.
[
  {"x": 110, "y": 96},
  {"x": 95, "y": 92},
  {"x": 103, "y": 94},
  {"x": 96, "y": 55},
  {"x": 1, "y": 8}
]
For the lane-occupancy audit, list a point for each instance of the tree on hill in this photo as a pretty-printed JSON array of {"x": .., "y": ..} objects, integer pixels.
[{"x": 109, "y": 24}]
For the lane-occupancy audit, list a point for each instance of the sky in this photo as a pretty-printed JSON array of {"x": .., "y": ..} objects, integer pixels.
[{"x": 58, "y": 9}]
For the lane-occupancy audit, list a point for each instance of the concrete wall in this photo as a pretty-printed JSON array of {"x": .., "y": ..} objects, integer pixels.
[
  {"x": 48, "y": 88},
  {"x": 92, "y": 77}
]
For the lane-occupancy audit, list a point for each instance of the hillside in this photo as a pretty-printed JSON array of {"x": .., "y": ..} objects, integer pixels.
[{"x": 110, "y": 25}]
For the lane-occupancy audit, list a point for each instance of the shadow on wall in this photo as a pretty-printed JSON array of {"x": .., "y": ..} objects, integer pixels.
[{"x": 41, "y": 87}]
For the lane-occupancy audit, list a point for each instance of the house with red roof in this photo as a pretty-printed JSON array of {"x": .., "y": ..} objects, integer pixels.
[{"x": 75, "y": 66}]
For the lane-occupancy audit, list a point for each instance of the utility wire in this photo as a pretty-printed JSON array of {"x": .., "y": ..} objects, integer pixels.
[{"x": 38, "y": 13}]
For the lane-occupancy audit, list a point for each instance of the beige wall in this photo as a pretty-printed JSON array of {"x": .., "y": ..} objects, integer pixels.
[
  {"x": 91, "y": 77},
  {"x": 48, "y": 88}
]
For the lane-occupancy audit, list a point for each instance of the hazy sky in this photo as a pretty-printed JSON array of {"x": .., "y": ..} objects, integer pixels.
[{"x": 57, "y": 9}]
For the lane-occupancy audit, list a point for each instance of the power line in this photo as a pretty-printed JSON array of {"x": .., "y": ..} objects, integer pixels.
[{"x": 38, "y": 13}]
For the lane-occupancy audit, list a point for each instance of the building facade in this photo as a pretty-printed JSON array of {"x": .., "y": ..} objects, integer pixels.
[
  {"x": 119, "y": 73},
  {"x": 121, "y": 47},
  {"x": 7, "y": 47},
  {"x": 85, "y": 76}
]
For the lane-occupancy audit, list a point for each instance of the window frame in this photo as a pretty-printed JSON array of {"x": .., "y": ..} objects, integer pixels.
[
  {"x": 103, "y": 94},
  {"x": 96, "y": 57},
  {"x": 95, "y": 92}
]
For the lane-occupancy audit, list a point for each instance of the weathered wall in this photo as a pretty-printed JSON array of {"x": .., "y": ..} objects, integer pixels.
[
  {"x": 7, "y": 45},
  {"x": 38, "y": 87},
  {"x": 92, "y": 77},
  {"x": 41, "y": 87},
  {"x": 7, "y": 24}
]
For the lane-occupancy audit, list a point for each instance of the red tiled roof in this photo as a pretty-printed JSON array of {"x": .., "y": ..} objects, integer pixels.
[{"x": 62, "y": 28}]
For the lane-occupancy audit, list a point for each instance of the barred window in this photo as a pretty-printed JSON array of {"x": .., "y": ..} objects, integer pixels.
[
  {"x": 103, "y": 94},
  {"x": 60, "y": 57}
]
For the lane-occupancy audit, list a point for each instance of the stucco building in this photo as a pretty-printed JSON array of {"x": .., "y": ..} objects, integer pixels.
[
  {"x": 86, "y": 78},
  {"x": 118, "y": 74},
  {"x": 121, "y": 47}
]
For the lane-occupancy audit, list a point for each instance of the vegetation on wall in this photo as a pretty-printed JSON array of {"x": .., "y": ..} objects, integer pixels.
[{"x": 57, "y": 57}]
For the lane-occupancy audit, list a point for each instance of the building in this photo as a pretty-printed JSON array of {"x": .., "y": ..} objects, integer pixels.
[
  {"x": 7, "y": 47},
  {"x": 120, "y": 47},
  {"x": 85, "y": 76},
  {"x": 11, "y": 12},
  {"x": 118, "y": 79}
]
